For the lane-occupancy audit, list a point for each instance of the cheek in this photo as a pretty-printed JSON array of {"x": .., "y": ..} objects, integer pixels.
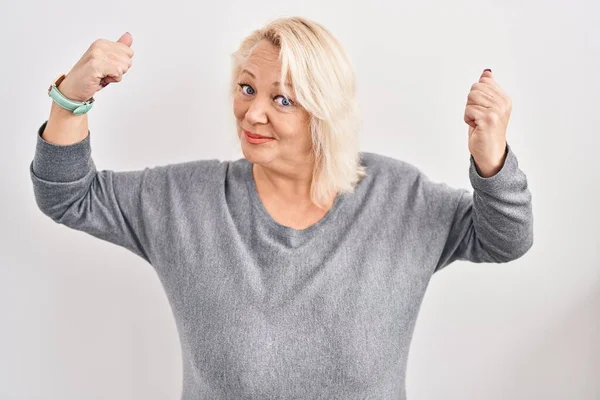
[
  {"x": 239, "y": 109},
  {"x": 301, "y": 127},
  {"x": 288, "y": 127}
]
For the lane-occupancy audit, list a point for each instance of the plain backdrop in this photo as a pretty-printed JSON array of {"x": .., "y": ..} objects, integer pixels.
[{"x": 85, "y": 319}]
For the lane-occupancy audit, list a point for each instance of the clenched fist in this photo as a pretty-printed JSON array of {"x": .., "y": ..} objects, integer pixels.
[
  {"x": 104, "y": 62},
  {"x": 487, "y": 113}
]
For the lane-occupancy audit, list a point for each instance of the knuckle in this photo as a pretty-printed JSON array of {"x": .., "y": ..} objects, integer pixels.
[
  {"x": 101, "y": 42},
  {"x": 125, "y": 49},
  {"x": 98, "y": 64},
  {"x": 97, "y": 53},
  {"x": 492, "y": 118}
]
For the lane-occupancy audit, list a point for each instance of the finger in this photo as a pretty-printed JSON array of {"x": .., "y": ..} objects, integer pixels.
[
  {"x": 126, "y": 39},
  {"x": 478, "y": 97},
  {"x": 493, "y": 85},
  {"x": 488, "y": 88},
  {"x": 488, "y": 78},
  {"x": 474, "y": 114},
  {"x": 496, "y": 96},
  {"x": 127, "y": 51},
  {"x": 114, "y": 78},
  {"x": 124, "y": 43},
  {"x": 114, "y": 73},
  {"x": 125, "y": 62}
]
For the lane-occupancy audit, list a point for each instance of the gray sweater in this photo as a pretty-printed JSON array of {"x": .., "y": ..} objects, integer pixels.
[{"x": 265, "y": 311}]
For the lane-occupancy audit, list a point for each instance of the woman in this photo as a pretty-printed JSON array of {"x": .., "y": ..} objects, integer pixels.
[{"x": 295, "y": 272}]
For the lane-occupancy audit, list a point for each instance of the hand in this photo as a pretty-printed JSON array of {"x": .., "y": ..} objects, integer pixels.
[
  {"x": 487, "y": 113},
  {"x": 102, "y": 63}
]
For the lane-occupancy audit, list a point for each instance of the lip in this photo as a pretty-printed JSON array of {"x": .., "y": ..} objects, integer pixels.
[
  {"x": 257, "y": 141},
  {"x": 256, "y": 136}
]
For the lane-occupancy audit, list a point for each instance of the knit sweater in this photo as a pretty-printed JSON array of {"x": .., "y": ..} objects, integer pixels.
[{"x": 266, "y": 311}]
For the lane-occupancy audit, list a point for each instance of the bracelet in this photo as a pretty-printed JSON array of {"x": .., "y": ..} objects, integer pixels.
[{"x": 77, "y": 107}]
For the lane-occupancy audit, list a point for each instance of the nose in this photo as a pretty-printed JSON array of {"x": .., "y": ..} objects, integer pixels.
[{"x": 257, "y": 112}]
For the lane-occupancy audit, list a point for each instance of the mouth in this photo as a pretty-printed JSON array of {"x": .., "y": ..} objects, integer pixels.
[{"x": 256, "y": 136}]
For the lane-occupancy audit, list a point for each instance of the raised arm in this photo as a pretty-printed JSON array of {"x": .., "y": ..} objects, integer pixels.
[
  {"x": 493, "y": 224},
  {"x": 105, "y": 204},
  {"x": 67, "y": 186}
]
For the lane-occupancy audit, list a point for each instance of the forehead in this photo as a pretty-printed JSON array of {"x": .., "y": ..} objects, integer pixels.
[
  {"x": 265, "y": 50},
  {"x": 263, "y": 64},
  {"x": 264, "y": 58}
]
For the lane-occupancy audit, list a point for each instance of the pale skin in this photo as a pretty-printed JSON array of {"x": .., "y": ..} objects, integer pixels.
[
  {"x": 487, "y": 113},
  {"x": 283, "y": 166}
]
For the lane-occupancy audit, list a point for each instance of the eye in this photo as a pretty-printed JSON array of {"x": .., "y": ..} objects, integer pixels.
[
  {"x": 242, "y": 85},
  {"x": 286, "y": 102}
]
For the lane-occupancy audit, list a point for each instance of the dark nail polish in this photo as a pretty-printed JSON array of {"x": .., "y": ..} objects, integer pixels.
[{"x": 487, "y": 69}]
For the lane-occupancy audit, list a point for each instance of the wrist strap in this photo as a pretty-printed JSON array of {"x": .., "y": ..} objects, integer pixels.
[{"x": 77, "y": 107}]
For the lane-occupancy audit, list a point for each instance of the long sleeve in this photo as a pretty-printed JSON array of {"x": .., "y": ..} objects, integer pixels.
[
  {"x": 494, "y": 224},
  {"x": 104, "y": 204}
]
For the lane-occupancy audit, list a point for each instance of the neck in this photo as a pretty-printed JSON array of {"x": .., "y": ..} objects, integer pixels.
[{"x": 286, "y": 186}]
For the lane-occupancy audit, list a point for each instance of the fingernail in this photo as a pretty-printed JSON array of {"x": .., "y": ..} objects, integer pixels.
[{"x": 487, "y": 69}]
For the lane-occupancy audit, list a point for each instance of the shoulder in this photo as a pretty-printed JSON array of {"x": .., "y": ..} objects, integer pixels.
[
  {"x": 406, "y": 179},
  {"x": 382, "y": 167},
  {"x": 187, "y": 169},
  {"x": 166, "y": 179}
]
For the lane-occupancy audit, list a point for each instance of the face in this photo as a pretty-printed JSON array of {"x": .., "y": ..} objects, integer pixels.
[{"x": 260, "y": 108}]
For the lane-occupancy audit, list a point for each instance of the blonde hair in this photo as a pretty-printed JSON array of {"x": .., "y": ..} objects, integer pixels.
[{"x": 324, "y": 84}]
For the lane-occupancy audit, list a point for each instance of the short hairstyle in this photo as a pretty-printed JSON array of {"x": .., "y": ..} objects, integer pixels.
[{"x": 325, "y": 85}]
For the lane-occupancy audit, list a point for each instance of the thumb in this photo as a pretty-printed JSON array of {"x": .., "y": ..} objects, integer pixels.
[
  {"x": 126, "y": 39},
  {"x": 487, "y": 73}
]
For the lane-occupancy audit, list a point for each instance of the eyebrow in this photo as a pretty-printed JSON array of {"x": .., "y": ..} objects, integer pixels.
[{"x": 277, "y": 83}]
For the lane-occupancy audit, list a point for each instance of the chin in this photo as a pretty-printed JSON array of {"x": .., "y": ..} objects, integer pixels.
[{"x": 256, "y": 156}]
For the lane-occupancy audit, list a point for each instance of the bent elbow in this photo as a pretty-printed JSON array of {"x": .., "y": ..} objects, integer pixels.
[{"x": 516, "y": 251}]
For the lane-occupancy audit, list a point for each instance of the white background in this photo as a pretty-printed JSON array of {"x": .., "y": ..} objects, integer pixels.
[{"x": 85, "y": 319}]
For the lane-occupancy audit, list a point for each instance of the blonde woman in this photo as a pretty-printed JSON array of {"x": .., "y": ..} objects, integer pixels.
[{"x": 295, "y": 272}]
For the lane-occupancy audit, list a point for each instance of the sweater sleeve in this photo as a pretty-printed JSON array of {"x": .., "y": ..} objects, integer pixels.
[
  {"x": 494, "y": 224},
  {"x": 105, "y": 204}
]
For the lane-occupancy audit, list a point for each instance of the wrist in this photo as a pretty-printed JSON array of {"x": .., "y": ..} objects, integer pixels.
[
  {"x": 61, "y": 93},
  {"x": 486, "y": 170},
  {"x": 65, "y": 90},
  {"x": 61, "y": 112}
]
